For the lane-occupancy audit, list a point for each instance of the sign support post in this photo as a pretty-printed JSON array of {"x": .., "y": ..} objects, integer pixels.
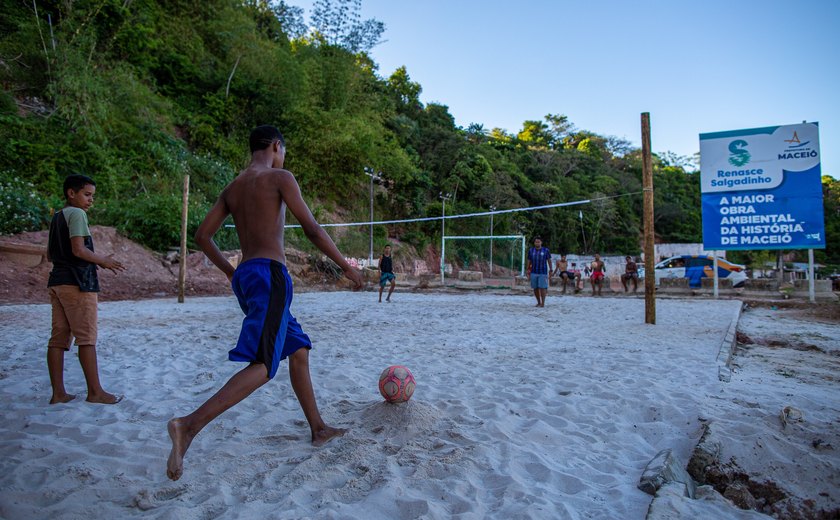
[
  {"x": 715, "y": 267},
  {"x": 811, "y": 295}
]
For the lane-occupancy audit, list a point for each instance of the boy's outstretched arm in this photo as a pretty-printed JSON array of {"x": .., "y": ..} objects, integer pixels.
[
  {"x": 205, "y": 232},
  {"x": 77, "y": 245},
  {"x": 314, "y": 232}
]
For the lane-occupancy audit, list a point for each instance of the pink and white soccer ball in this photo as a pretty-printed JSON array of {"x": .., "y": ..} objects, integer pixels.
[{"x": 396, "y": 384}]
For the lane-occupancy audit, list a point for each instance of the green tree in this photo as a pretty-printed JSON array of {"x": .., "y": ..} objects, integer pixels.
[
  {"x": 138, "y": 94},
  {"x": 831, "y": 215},
  {"x": 339, "y": 23}
]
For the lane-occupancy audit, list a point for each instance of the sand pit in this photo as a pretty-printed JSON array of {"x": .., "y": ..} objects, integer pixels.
[{"x": 518, "y": 413}]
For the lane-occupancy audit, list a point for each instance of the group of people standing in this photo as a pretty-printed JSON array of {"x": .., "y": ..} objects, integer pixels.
[{"x": 540, "y": 272}]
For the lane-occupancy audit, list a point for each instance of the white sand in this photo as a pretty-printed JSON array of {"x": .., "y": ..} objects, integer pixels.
[{"x": 519, "y": 412}]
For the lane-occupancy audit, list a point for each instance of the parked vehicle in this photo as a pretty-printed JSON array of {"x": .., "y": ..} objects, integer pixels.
[{"x": 697, "y": 267}]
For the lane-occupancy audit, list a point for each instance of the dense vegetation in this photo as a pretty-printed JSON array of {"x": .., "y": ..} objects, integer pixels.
[{"x": 137, "y": 93}]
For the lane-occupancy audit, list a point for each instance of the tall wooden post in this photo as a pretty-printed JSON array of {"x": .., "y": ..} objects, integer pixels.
[
  {"x": 650, "y": 261},
  {"x": 182, "y": 263}
]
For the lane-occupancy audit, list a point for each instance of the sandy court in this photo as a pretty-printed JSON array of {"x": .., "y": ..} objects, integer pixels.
[{"x": 519, "y": 412}]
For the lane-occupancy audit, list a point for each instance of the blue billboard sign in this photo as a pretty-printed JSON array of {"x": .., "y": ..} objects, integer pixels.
[{"x": 761, "y": 188}]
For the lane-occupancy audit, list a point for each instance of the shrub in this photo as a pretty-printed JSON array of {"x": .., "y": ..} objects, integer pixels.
[
  {"x": 21, "y": 207},
  {"x": 152, "y": 219}
]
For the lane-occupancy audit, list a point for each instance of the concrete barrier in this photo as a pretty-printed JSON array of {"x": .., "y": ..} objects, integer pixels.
[
  {"x": 709, "y": 283},
  {"x": 371, "y": 275},
  {"x": 822, "y": 290},
  {"x": 707, "y": 286},
  {"x": 427, "y": 281},
  {"x": 470, "y": 276},
  {"x": 673, "y": 285},
  {"x": 819, "y": 285},
  {"x": 761, "y": 285}
]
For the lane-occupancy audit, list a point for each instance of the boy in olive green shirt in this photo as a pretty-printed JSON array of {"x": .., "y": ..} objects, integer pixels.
[{"x": 73, "y": 286}]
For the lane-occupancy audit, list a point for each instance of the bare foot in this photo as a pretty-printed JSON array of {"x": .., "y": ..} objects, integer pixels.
[
  {"x": 104, "y": 398},
  {"x": 66, "y": 398},
  {"x": 181, "y": 440},
  {"x": 326, "y": 435}
]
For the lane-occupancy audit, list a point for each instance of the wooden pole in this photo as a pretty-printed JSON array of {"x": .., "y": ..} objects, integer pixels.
[
  {"x": 182, "y": 263},
  {"x": 647, "y": 183}
]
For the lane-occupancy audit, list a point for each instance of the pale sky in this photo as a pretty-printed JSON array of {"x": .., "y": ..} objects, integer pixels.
[{"x": 695, "y": 66}]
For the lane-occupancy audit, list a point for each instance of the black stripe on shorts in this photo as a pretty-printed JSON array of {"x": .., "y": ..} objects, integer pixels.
[{"x": 273, "y": 316}]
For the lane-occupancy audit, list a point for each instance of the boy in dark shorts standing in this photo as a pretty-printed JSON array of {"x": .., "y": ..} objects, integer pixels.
[
  {"x": 257, "y": 199},
  {"x": 539, "y": 270},
  {"x": 386, "y": 274},
  {"x": 73, "y": 286}
]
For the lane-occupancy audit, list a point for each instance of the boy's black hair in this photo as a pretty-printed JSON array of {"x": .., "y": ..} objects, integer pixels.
[
  {"x": 76, "y": 182},
  {"x": 262, "y": 137}
]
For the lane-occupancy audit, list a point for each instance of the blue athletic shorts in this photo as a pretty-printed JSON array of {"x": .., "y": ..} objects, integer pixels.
[
  {"x": 385, "y": 278},
  {"x": 269, "y": 331},
  {"x": 539, "y": 281}
]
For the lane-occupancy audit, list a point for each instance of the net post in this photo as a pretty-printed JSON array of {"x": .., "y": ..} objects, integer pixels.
[
  {"x": 444, "y": 197},
  {"x": 647, "y": 183}
]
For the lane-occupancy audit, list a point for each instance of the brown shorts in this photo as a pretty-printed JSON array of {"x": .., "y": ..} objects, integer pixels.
[{"x": 73, "y": 315}]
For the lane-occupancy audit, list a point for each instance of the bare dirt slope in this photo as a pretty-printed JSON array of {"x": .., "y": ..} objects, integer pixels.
[{"x": 147, "y": 275}]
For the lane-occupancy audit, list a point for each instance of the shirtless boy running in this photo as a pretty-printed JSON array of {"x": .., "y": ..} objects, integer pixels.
[{"x": 258, "y": 199}]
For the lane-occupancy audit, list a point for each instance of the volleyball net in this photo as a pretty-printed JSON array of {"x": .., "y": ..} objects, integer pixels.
[{"x": 492, "y": 241}]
